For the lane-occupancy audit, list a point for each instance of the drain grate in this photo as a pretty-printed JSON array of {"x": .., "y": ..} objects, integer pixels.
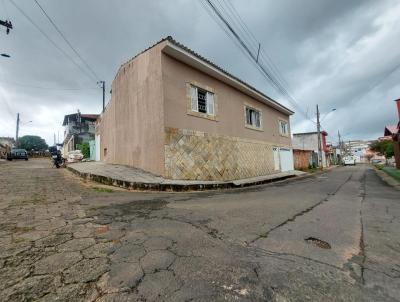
[{"x": 318, "y": 242}]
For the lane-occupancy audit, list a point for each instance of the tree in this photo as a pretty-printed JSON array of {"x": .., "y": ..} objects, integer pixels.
[
  {"x": 368, "y": 156},
  {"x": 32, "y": 142},
  {"x": 383, "y": 147}
]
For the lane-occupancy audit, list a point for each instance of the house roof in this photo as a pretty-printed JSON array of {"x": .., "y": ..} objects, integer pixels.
[
  {"x": 90, "y": 117},
  {"x": 391, "y": 129},
  {"x": 188, "y": 56}
]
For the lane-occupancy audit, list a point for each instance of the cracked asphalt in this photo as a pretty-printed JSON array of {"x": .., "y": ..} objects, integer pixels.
[{"x": 65, "y": 240}]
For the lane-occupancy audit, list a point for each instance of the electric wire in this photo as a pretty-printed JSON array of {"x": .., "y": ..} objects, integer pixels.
[
  {"x": 67, "y": 41},
  {"x": 50, "y": 40},
  {"x": 247, "y": 49},
  {"x": 262, "y": 54},
  {"x": 232, "y": 37},
  {"x": 46, "y": 88},
  {"x": 272, "y": 67},
  {"x": 252, "y": 37},
  {"x": 273, "y": 77}
]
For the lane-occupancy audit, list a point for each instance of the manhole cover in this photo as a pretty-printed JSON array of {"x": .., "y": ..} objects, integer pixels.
[{"x": 318, "y": 242}]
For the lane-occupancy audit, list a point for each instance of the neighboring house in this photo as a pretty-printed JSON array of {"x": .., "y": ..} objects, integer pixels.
[
  {"x": 393, "y": 131},
  {"x": 334, "y": 153},
  {"x": 359, "y": 149},
  {"x": 79, "y": 128},
  {"x": 10, "y": 141},
  {"x": 308, "y": 141},
  {"x": 176, "y": 114},
  {"x": 6, "y": 143}
]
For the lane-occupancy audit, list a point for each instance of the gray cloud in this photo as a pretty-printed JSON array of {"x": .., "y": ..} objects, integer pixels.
[{"x": 330, "y": 52}]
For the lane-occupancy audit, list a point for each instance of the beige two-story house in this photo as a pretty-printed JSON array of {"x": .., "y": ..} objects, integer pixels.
[{"x": 176, "y": 114}]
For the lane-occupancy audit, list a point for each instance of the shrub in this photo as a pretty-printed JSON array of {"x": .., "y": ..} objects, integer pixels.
[{"x": 85, "y": 149}]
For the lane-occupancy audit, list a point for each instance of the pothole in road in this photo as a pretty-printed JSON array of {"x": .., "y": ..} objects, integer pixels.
[{"x": 318, "y": 242}]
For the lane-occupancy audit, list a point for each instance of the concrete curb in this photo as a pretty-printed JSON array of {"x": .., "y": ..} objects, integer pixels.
[
  {"x": 178, "y": 187},
  {"x": 387, "y": 179}
]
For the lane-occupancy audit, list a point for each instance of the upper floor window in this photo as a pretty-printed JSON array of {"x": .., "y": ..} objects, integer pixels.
[
  {"x": 253, "y": 117},
  {"x": 202, "y": 100},
  {"x": 283, "y": 127}
]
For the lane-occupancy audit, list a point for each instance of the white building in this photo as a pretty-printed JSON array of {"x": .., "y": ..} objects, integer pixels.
[
  {"x": 309, "y": 141},
  {"x": 358, "y": 149}
]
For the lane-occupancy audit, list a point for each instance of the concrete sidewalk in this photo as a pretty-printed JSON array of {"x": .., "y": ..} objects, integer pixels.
[{"x": 136, "y": 179}]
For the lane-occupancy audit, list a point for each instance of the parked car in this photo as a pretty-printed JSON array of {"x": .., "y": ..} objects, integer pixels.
[
  {"x": 376, "y": 161},
  {"x": 17, "y": 154},
  {"x": 349, "y": 160}
]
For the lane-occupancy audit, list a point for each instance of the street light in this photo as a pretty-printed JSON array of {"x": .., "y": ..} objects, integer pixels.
[{"x": 333, "y": 109}]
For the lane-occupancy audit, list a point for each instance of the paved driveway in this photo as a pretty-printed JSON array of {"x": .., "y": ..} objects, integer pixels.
[{"x": 332, "y": 237}]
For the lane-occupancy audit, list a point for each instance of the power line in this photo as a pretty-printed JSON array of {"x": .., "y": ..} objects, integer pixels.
[
  {"x": 67, "y": 41},
  {"x": 378, "y": 82},
  {"x": 261, "y": 53},
  {"x": 270, "y": 77},
  {"x": 275, "y": 80},
  {"x": 51, "y": 41},
  {"x": 45, "y": 88},
  {"x": 243, "y": 44},
  {"x": 251, "y": 36},
  {"x": 230, "y": 15}
]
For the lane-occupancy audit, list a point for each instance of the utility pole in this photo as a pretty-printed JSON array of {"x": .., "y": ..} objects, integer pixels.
[
  {"x": 16, "y": 132},
  {"x": 319, "y": 141},
  {"x": 103, "y": 85},
  {"x": 7, "y": 24},
  {"x": 340, "y": 146}
]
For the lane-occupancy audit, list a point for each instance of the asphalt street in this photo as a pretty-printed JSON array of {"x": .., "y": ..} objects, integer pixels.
[{"x": 330, "y": 237}]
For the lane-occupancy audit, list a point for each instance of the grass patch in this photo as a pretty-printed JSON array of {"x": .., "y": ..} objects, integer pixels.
[
  {"x": 103, "y": 190},
  {"x": 391, "y": 171}
]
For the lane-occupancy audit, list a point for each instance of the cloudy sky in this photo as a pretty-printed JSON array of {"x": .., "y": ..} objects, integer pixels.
[{"x": 339, "y": 54}]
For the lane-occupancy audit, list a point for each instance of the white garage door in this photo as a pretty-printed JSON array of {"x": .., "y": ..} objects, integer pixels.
[{"x": 286, "y": 159}]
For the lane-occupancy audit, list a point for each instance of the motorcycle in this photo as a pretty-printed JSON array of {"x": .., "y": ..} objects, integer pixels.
[{"x": 56, "y": 157}]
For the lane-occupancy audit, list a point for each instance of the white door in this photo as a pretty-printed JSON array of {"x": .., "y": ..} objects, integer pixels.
[
  {"x": 97, "y": 144},
  {"x": 286, "y": 159},
  {"x": 276, "y": 159}
]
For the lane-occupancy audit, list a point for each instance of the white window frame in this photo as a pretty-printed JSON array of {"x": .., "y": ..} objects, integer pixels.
[
  {"x": 252, "y": 125},
  {"x": 209, "y": 100},
  {"x": 283, "y": 127}
]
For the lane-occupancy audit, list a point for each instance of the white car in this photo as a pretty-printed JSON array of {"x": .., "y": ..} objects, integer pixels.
[{"x": 349, "y": 160}]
